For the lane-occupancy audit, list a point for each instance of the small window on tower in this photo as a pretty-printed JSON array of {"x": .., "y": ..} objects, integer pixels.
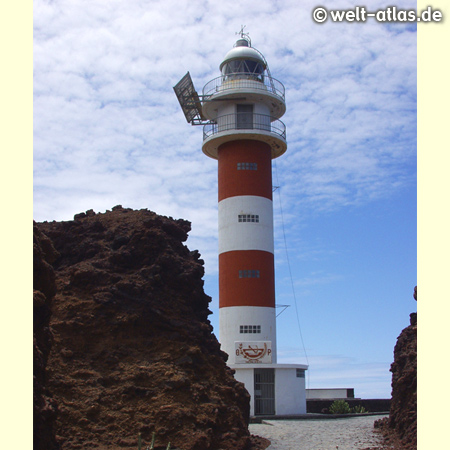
[
  {"x": 248, "y": 218},
  {"x": 249, "y": 274},
  {"x": 244, "y": 329},
  {"x": 247, "y": 166}
]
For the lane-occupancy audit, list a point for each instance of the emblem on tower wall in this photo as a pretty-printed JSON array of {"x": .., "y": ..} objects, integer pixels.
[{"x": 259, "y": 352}]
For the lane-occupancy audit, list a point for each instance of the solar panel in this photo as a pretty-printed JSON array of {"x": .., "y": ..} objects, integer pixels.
[{"x": 189, "y": 100}]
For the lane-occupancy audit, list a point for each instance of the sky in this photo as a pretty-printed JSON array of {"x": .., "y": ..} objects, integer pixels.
[{"x": 108, "y": 130}]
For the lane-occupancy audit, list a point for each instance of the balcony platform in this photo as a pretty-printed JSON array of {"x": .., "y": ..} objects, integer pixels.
[
  {"x": 245, "y": 88},
  {"x": 247, "y": 126},
  {"x": 211, "y": 144}
]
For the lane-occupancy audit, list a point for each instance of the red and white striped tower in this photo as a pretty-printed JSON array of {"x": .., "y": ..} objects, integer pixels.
[{"x": 244, "y": 105}]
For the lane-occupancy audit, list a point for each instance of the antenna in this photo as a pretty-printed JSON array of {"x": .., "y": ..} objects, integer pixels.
[{"x": 243, "y": 35}]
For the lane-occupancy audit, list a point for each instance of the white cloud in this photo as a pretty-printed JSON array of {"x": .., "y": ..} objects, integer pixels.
[{"x": 108, "y": 70}]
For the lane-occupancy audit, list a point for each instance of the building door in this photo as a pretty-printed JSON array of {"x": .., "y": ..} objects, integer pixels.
[
  {"x": 264, "y": 380},
  {"x": 244, "y": 119}
]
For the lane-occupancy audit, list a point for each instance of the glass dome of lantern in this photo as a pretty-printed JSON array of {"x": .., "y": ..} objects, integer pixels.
[{"x": 243, "y": 62}]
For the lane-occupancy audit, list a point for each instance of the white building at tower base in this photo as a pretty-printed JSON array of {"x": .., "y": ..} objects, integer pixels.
[{"x": 275, "y": 389}]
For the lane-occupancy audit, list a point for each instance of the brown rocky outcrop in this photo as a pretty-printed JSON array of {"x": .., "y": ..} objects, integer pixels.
[
  {"x": 400, "y": 429},
  {"x": 44, "y": 289},
  {"x": 403, "y": 413},
  {"x": 133, "y": 348}
]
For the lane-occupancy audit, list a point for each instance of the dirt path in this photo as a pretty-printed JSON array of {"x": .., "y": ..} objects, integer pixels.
[{"x": 319, "y": 434}]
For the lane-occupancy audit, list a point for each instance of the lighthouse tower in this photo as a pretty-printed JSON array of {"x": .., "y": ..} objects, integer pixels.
[
  {"x": 241, "y": 111},
  {"x": 244, "y": 106}
]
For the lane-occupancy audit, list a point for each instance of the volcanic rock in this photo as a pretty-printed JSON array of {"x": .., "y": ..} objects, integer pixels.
[
  {"x": 400, "y": 429},
  {"x": 44, "y": 288},
  {"x": 403, "y": 413},
  {"x": 133, "y": 348}
]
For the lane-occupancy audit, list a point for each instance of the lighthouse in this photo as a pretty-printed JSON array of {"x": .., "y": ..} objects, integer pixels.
[{"x": 240, "y": 111}]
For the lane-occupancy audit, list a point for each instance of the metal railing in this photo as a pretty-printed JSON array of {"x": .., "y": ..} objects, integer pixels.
[
  {"x": 243, "y": 81},
  {"x": 245, "y": 121}
]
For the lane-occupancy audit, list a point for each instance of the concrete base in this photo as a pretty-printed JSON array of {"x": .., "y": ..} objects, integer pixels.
[{"x": 288, "y": 393}]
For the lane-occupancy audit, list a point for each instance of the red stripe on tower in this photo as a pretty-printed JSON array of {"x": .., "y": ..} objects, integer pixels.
[
  {"x": 246, "y": 279},
  {"x": 245, "y": 168}
]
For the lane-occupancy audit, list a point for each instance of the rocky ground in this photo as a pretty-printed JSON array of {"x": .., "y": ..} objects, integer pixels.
[
  {"x": 133, "y": 349},
  {"x": 350, "y": 433}
]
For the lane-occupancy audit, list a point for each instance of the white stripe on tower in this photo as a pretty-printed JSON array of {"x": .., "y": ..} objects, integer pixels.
[{"x": 246, "y": 223}]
